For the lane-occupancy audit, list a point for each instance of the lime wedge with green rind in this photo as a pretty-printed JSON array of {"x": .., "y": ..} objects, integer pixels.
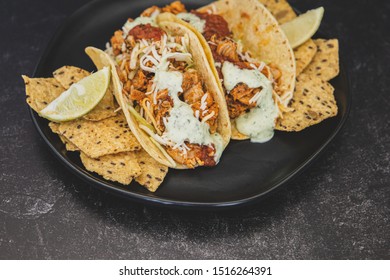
[{"x": 79, "y": 99}]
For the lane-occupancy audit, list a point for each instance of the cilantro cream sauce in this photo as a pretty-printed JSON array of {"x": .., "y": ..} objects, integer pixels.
[
  {"x": 259, "y": 122},
  {"x": 182, "y": 125}
]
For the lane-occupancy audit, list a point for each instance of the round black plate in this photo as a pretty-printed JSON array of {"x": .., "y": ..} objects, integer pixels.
[{"x": 246, "y": 172}]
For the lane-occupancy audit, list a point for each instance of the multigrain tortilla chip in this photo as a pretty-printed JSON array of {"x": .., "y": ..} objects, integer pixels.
[
  {"x": 312, "y": 103},
  {"x": 325, "y": 63},
  {"x": 68, "y": 75},
  {"x": 69, "y": 146},
  {"x": 304, "y": 55},
  {"x": 105, "y": 108},
  {"x": 41, "y": 91},
  {"x": 280, "y": 9},
  {"x": 153, "y": 173},
  {"x": 122, "y": 167},
  {"x": 96, "y": 139}
]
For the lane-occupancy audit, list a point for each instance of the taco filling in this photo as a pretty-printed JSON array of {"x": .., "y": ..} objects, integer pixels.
[
  {"x": 250, "y": 85},
  {"x": 164, "y": 91}
]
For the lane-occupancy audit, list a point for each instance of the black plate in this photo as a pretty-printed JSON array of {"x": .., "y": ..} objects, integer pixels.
[{"x": 246, "y": 172}]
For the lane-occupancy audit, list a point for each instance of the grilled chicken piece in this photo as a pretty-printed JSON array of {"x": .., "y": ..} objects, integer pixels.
[
  {"x": 117, "y": 42},
  {"x": 243, "y": 94},
  {"x": 238, "y": 100},
  {"x": 228, "y": 50},
  {"x": 190, "y": 78},
  {"x": 162, "y": 109},
  {"x": 140, "y": 81},
  {"x": 193, "y": 94},
  {"x": 175, "y": 8},
  {"x": 235, "y": 108},
  {"x": 136, "y": 94},
  {"x": 197, "y": 155}
]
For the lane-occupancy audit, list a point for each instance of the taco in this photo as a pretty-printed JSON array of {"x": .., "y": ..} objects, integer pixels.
[
  {"x": 252, "y": 59},
  {"x": 168, "y": 92}
]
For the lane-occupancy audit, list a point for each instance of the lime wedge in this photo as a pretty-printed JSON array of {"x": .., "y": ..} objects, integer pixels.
[
  {"x": 303, "y": 27},
  {"x": 79, "y": 99}
]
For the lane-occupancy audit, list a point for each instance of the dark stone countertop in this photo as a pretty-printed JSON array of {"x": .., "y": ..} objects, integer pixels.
[{"x": 337, "y": 209}]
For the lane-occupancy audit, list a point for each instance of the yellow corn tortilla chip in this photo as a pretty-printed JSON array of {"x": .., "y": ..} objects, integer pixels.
[
  {"x": 280, "y": 9},
  {"x": 312, "y": 103},
  {"x": 41, "y": 91},
  {"x": 325, "y": 64},
  {"x": 68, "y": 75},
  {"x": 304, "y": 55},
  {"x": 153, "y": 172},
  {"x": 105, "y": 108},
  {"x": 97, "y": 139},
  {"x": 122, "y": 167},
  {"x": 69, "y": 146}
]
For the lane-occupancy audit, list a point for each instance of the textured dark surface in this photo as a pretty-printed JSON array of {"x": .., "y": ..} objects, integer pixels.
[{"x": 338, "y": 208}]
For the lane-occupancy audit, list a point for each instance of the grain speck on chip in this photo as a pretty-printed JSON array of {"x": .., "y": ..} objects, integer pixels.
[
  {"x": 153, "y": 173},
  {"x": 105, "y": 107},
  {"x": 68, "y": 75},
  {"x": 122, "y": 167},
  {"x": 41, "y": 91},
  {"x": 69, "y": 146},
  {"x": 304, "y": 55},
  {"x": 280, "y": 9},
  {"x": 96, "y": 139},
  {"x": 325, "y": 64},
  {"x": 312, "y": 103}
]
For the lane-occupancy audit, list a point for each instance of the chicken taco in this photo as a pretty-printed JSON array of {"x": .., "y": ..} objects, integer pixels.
[
  {"x": 252, "y": 59},
  {"x": 167, "y": 90}
]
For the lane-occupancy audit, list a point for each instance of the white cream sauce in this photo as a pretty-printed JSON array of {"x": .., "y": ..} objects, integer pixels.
[
  {"x": 259, "y": 122},
  {"x": 181, "y": 125},
  {"x": 233, "y": 75},
  {"x": 194, "y": 20}
]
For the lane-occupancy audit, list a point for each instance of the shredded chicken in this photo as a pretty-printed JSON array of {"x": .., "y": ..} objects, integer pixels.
[
  {"x": 136, "y": 94},
  {"x": 194, "y": 93},
  {"x": 175, "y": 8},
  {"x": 155, "y": 107},
  {"x": 238, "y": 100},
  {"x": 117, "y": 42},
  {"x": 140, "y": 81},
  {"x": 196, "y": 155},
  {"x": 190, "y": 78},
  {"x": 228, "y": 49}
]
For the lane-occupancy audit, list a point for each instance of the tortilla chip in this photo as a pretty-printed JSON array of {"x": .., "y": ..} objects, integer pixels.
[
  {"x": 122, "y": 167},
  {"x": 280, "y": 9},
  {"x": 97, "y": 139},
  {"x": 41, "y": 91},
  {"x": 68, "y": 75},
  {"x": 105, "y": 108},
  {"x": 312, "y": 103},
  {"x": 304, "y": 55},
  {"x": 325, "y": 63},
  {"x": 69, "y": 146},
  {"x": 153, "y": 172}
]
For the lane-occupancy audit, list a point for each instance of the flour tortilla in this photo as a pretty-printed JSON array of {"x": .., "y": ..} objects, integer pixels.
[
  {"x": 201, "y": 63},
  {"x": 259, "y": 33}
]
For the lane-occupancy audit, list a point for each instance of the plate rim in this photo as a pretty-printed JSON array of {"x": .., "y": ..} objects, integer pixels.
[{"x": 104, "y": 185}]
